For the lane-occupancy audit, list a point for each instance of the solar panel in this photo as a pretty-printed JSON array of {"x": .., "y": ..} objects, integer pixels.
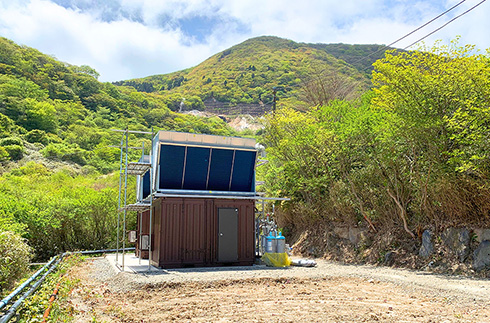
[{"x": 205, "y": 163}]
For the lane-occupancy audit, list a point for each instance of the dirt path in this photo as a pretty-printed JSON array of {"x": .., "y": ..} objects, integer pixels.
[{"x": 327, "y": 293}]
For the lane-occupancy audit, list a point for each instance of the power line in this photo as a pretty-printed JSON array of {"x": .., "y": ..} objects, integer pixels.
[
  {"x": 447, "y": 23},
  {"x": 413, "y": 31},
  {"x": 428, "y": 22},
  {"x": 383, "y": 47}
]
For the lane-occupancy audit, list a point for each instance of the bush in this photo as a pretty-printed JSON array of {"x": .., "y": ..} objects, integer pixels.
[
  {"x": 4, "y": 155},
  {"x": 11, "y": 141},
  {"x": 15, "y": 152},
  {"x": 15, "y": 255},
  {"x": 66, "y": 152},
  {"x": 37, "y": 135},
  {"x": 6, "y": 126}
]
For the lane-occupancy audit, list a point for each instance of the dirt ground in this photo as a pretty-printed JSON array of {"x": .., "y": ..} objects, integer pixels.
[{"x": 329, "y": 292}]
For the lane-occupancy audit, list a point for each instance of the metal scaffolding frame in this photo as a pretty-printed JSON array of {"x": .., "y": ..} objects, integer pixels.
[{"x": 131, "y": 168}]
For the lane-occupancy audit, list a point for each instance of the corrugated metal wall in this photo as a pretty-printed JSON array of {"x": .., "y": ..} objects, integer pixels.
[{"x": 185, "y": 231}]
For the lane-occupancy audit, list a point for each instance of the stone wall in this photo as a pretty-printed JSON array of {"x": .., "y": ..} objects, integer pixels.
[
  {"x": 458, "y": 241},
  {"x": 454, "y": 249}
]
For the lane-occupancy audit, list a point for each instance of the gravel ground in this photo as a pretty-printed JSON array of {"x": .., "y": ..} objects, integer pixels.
[
  {"x": 455, "y": 285},
  {"x": 329, "y": 292}
]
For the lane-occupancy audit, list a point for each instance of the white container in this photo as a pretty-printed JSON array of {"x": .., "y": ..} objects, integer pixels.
[
  {"x": 271, "y": 244},
  {"x": 280, "y": 244}
]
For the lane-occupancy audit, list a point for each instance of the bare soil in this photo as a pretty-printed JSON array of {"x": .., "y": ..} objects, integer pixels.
[{"x": 329, "y": 292}]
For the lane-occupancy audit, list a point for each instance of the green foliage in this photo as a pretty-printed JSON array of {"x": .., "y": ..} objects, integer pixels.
[
  {"x": 15, "y": 152},
  {"x": 7, "y": 126},
  {"x": 246, "y": 73},
  {"x": 67, "y": 110},
  {"x": 412, "y": 152},
  {"x": 60, "y": 211},
  {"x": 9, "y": 223},
  {"x": 11, "y": 141},
  {"x": 40, "y": 115},
  {"x": 361, "y": 57},
  {"x": 4, "y": 155},
  {"x": 439, "y": 97},
  {"x": 37, "y": 135},
  {"x": 66, "y": 152},
  {"x": 15, "y": 255}
]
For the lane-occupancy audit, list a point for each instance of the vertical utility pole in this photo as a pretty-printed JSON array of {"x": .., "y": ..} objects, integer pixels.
[{"x": 274, "y": 91}]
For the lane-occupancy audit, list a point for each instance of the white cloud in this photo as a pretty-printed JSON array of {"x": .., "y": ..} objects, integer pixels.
[
  {"x": 117, "y": 50},
  {"x": 123, "y": 48}
]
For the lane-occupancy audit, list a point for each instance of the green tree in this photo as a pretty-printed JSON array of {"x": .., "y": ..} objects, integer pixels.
[
  {"x": 7, "y": 126},
  {"x": 438, "y": 99},
  {"x": 40, "y": 115}
]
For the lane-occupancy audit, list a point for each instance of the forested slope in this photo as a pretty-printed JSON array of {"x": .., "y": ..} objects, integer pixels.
[{"x": 247, "y": 72}]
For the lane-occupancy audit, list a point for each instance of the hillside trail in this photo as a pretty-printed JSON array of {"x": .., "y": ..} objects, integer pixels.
[{"x": 329, "y": 292}]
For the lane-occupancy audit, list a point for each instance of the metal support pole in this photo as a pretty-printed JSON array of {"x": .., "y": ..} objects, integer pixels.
[
  {"x": 125, "y": 198},
  {"x": 119, "y": 199},
  {"x": 152, "y": 173},
  {"x": 256, "y": 230},
  {"x": 263, "y": 216},
  {"x": 142, "y": 181}
]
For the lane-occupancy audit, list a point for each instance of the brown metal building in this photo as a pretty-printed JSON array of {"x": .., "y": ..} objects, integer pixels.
[
  {"x": 203, "y": 201},
  {"x": 202, "y": 232}
]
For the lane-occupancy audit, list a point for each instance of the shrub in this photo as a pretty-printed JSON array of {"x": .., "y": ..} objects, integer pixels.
[
  {"x": 66, "y": 152},
  {"x": 37, "y": 135},
  {"x": 14, "y": 258},
  {"x": 4, "y": 155},
  {"x": 6, "y": 126},
  {"x": 15, "y": 152},
  {"x": 11, "y": 141}
]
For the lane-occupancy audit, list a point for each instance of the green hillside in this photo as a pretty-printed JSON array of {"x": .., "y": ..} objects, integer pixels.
[
  {"x": 247, "y": 72},
  {"x": 361, "y": 57},
  {"x": 68, "y": 114},
  {"x": 408, "y": 155}
]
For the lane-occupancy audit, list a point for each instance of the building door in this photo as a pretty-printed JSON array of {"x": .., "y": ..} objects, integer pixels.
[{"x": 227, "y": 234}]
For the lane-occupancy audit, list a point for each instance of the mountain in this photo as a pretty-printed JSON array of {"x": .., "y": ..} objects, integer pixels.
[
  {"x": 64, "y": 112},
  {"x": 246, "y": 73}
]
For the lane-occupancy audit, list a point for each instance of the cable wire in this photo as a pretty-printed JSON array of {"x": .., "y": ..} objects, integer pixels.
[
  {"x": 383, "y": 48},
  {"x": 447, "y": 23},
  {"x": 428, "y": 22},
  {"x": 412, "y": 32}
]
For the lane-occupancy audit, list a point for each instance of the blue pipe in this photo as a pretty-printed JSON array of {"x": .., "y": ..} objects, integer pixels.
[
  {"x": 14, "y": 307},
  {"x": 25, "y": 284},
  {"x": 90, "y": 252},
  {"x": 11, "y": 312}
]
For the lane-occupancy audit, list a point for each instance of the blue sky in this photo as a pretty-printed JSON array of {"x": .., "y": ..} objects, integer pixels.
[{"x": 125, "y": 39}]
